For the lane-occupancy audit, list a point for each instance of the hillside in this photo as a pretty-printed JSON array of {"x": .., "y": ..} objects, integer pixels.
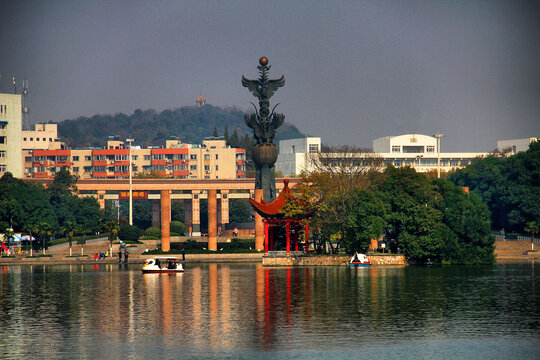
[{"x": 148, "y": 127}]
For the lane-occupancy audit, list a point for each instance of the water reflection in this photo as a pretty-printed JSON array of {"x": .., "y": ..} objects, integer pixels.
[{"x": 110, "y": 311}]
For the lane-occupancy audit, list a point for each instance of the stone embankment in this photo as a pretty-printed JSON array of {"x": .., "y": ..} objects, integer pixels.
[
  {"x": 512, "y": 250},
  {"x": 281, "y": 259}
]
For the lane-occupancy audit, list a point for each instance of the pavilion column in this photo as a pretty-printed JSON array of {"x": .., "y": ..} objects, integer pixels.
[
  {"x": 288, "y": 236},
  {"x": 306, "y": 236},
  {"x": 195, "y": 213},
  {"x": 165, "y": 220},
  {"x": 295, "y": 239},
  {"x": 101, "y": 199},
  {"x": 265, "y": 236},
  {"x": 156, "y": 207},
  {"x": 259, "y": 225},
  {"x": 212, "y": 220}
]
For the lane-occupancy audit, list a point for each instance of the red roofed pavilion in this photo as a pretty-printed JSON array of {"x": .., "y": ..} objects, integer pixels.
[{"x": 274, "y": 220}]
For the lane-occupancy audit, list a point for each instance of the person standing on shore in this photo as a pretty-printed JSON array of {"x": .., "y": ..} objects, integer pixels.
[{"x": 119, "y": 256}]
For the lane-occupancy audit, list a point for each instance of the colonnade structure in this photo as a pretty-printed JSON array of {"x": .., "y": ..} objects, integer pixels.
[{"x": 162, "y": 191}]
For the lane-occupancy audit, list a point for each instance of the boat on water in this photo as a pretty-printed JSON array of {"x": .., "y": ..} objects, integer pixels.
[
  {"x": 163, "y": 264},
  {"x": 360, "y": 260}
]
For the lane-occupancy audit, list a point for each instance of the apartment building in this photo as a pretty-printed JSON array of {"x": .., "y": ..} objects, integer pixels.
[
  {"x": 10, "y": 134},
  {"x": 212, "y": 159}
]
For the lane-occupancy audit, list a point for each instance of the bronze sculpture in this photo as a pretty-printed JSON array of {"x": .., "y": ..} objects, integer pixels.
[{"x": 264, "y": 124}]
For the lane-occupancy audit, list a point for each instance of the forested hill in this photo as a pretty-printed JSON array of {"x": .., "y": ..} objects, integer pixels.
[{"x": 148, "y": 127}]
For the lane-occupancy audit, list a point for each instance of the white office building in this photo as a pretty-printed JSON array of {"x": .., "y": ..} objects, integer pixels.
[
  {"x": 292, "y": 157},
  {"x": 515, "y": 145},
  {"x": 415, "y": 150}
]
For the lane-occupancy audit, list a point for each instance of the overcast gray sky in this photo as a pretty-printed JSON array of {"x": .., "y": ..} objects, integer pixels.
[{"x": 355, "y": 70}]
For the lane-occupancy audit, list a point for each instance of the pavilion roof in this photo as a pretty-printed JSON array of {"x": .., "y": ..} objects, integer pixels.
[{"x": 272, "y": 210}]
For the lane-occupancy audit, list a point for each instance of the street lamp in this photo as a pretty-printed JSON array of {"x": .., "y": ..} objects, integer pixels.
[
  {"x": 129, "y": 141},
  {"x": 438, "y": 136}
]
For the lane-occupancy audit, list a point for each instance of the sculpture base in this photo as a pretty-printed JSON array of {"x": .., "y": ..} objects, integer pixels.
[{"x": 265, "y": 179}]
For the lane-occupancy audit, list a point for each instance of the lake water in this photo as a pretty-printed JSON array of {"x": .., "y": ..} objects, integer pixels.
[{"x": 247, "y": 311}]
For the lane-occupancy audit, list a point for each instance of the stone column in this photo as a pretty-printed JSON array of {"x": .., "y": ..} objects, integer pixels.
[
  {"x": 259, "y": 224},
  {"x": 156, "y": 207},
  {"x": 224, "y": 208},
  {"x": 101, "y": 198},
  {"x": 165, "y": 220},
  {"x": 188, "y": 221},
  {"x": 195, "y": 213},
  {"x": 212, "y": 220}
]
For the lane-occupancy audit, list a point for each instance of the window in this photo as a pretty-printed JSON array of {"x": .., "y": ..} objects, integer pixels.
[
  {"x": 44, "y": 139},
  {"x": 207, "y": 167},
  {"x": 146, "y": 157},
  {"x": 24, "y": 139},
  {"x": 27, "y": 159},
  {"x": 313, "y": 148},
  {"x": 134, "y": 157},
  {"x": 75, "y": 169},
  {"x": 2, "y": 139},
  {"x": 50, "y": 139},
  {"x": 193, "y": 167},
  {"x": 217, "y": 168},
  {"x": 206, "y": 156},
  {"x": 193, "y": 156},
  {"x": 413, "y": 149},
  {"x": 3, "y": 155},
  {"x": 37, "y": 139},
  {"x": 430, "y": 148},
  {"x": 2, "y": 168},
  {"x": 75, "y": 158},
  {"x": 217, "y": 156},
  {"x": 120, "y": 157},
  {"x": 395, "y": 148},
  {"x": 31, "y": 139},
  {"x": 88, "y": 158},
  {"x": 158, "y": 157}
]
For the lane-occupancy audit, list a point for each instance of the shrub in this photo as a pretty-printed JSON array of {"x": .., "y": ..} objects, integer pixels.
[
  {"x": 178, "y": 227},
  {"x": 129, "y": 233},
  {"x": 153, "y": 232}
]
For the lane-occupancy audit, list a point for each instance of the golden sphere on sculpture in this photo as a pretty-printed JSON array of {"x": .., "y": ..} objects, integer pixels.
[{"x": 263, "y": 61}]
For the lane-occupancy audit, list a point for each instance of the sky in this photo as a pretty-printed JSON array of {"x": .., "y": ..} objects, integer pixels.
[{"x": 354, "y": 70}]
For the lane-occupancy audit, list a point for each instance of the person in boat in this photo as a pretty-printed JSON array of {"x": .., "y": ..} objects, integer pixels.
[
  {"x": 96, "y": 256},
  {"x": 101, "y": 255},
  {"x": 158, "y": 263},
  {"x": 356, "y": 257}
]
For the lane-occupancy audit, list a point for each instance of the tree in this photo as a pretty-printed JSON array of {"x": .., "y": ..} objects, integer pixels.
[
  {"x": 178, "y": 227},
  {"x": 533, "y": 228},
  {"x": 215, "y": 133},
  {"x": 112, "y": 228},
  {"x": 80, "y": 229},
  {"x": 64, "y": 182},
  {"x": 68, "y": 229},
  {"x": 332, "y": 177},
  {"x": 239, "y": 210},
  {"x": 44, "y": 231},
  {"x": 367, "y": 219},
  {"x": 509, "y": 186},
  {"x": 129, "y": 233}
]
